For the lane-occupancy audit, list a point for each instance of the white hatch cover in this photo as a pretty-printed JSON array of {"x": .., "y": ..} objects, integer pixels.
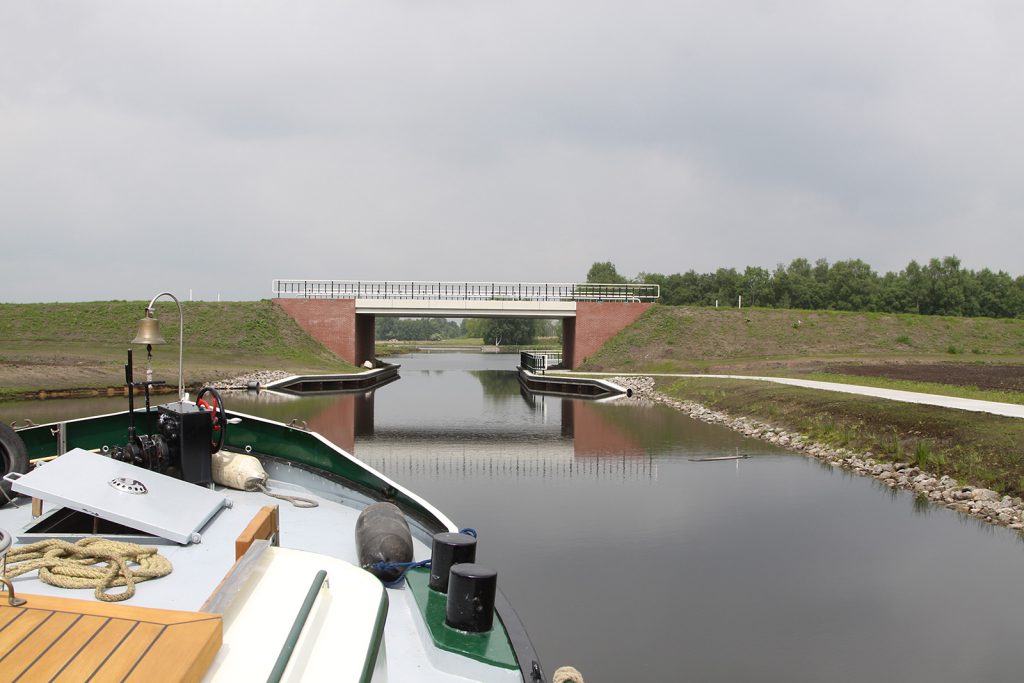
[{"x": 125, "y": 494}]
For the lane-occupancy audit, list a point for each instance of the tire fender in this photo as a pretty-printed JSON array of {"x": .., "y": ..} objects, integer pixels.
[{"x": 13, "y": 458}]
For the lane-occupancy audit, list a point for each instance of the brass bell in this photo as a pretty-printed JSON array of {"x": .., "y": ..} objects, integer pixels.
[{"x": 149, "y": 331}]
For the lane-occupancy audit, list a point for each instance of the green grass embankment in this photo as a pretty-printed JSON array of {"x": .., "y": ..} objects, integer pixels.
[
  {"x": 60, "y": 346},
  {"x": 976, "y": 448},
  {"x": 971, "y": 392},
  {"x": 693, "y": 339}
]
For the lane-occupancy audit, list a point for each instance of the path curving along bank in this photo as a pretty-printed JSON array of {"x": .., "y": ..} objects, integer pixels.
[{"x": 969, "y": 404}]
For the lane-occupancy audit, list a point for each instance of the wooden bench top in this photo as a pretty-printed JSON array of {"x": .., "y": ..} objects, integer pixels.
[{"x": 62, "y": 639}]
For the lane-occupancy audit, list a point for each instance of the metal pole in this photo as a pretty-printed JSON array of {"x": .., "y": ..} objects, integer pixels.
[{"x": 181, "y": 339}]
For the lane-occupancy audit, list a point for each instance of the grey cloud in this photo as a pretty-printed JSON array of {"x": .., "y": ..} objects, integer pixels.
[{"x": 232, "y": 142}]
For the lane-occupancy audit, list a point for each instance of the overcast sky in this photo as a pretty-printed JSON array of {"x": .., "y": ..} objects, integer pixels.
[{"x": 217, "y": 145}]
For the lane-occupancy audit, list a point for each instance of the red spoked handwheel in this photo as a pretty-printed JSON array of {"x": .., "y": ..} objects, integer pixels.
[
  {"x": 212, "y": 407},
  {"x": 215, "y": 405}
]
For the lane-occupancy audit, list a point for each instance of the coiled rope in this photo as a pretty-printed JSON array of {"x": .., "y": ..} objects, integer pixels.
[
  {"x": 69, "y": 565},
  {"x": 567, "y": 674}
]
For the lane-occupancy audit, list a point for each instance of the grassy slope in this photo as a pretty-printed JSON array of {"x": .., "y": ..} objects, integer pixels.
[
  {"x": 921, "y": 387},
  {"x": 83, "y": 344},
  {"x": 689, "y": 339},
  {"x": 977, "y": 448}
]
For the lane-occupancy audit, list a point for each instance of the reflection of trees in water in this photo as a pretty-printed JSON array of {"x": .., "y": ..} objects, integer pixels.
[{"x": 497, "y": 383}]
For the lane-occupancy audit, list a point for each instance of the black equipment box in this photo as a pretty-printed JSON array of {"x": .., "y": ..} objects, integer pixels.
[{"x": 188, "y": 430}]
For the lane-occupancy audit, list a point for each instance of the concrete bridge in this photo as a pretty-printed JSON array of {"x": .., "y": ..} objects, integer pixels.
[{"x": 341, "y": 314}]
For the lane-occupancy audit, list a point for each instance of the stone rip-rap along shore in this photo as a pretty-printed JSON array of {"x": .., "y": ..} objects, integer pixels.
[
  {"x": 981, "y": 503},
  {"x": 261, "y": 377}
]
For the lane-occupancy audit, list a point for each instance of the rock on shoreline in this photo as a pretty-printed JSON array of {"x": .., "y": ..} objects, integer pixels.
[
  {"x": 262, "y": 377},
  {"x": 980, "y": 503}
]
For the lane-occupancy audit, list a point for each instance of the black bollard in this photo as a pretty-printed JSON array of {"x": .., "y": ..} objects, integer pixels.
[
  {"x": 449, "y": 549},
  {"x": 471, "y": 591}
]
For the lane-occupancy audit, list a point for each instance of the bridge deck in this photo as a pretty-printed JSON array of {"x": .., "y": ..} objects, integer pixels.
[
  {"x": 466, "y": 308},
  {"x": 556, "y": 292}
]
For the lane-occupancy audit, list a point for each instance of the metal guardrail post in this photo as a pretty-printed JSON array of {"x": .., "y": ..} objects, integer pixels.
[{"x": 464, "y": 291}]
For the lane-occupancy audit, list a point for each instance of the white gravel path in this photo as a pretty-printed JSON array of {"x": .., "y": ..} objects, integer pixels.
[{"x": 974, "y": 405}]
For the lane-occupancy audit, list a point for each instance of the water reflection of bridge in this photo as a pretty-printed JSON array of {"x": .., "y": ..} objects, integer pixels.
[
  {"x": 554, "y": 461},
  {"x": 587, "y": 445},
  {"x": 572, "y": 439}
]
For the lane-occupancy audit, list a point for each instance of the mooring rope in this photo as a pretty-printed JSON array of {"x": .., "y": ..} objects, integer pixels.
[
  {"x": 68, "y": 565},
  {"x": 404, "y": 567},
  {"x": 567, "y": 674},
  {"x": 297, "y": 501}
]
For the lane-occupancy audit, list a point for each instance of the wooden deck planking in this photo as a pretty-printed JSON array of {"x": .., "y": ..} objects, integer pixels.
[
  {"x": 7, "y": 616},
  {"x": 84, "y": 662},
  {"x": 64, "y": 650},
  {"x": 18, "y": 630},
  {"x": 130, "y": 652},
  {"x": 29, "y": 649},
  {"x": 165, "y": 661},
  {"x": 62, "y": 639}
]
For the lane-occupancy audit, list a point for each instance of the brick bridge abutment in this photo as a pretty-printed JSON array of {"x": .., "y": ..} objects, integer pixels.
[{"x": 336, "y": 324}]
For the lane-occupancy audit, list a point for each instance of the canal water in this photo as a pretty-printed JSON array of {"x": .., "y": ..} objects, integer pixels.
[{"x": 631, "y": 562}]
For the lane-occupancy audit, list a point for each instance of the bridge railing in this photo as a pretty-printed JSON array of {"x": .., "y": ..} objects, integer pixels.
[{"x": 464, "y": 291}]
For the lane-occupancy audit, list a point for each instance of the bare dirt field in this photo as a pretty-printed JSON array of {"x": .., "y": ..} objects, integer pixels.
[
  {"x": 58, "y": 373},
  {"x": 983, "y": 376}
]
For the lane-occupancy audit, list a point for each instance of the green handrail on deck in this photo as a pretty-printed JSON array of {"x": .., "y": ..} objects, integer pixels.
[{"x": 300, "y": 620}]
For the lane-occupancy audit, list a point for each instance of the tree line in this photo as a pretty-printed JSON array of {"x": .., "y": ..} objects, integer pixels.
[
  {"x": 418, "y": 329},
  {"x": 512, "y": 331},
  {"x": 940, "y": 287}
]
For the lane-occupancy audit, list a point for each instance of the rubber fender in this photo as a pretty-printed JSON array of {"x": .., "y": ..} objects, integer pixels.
[
  {"x": 382, "y": 535},
  {"x": 237, "y": 471},
  {"x": 13, "y": 458}
]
